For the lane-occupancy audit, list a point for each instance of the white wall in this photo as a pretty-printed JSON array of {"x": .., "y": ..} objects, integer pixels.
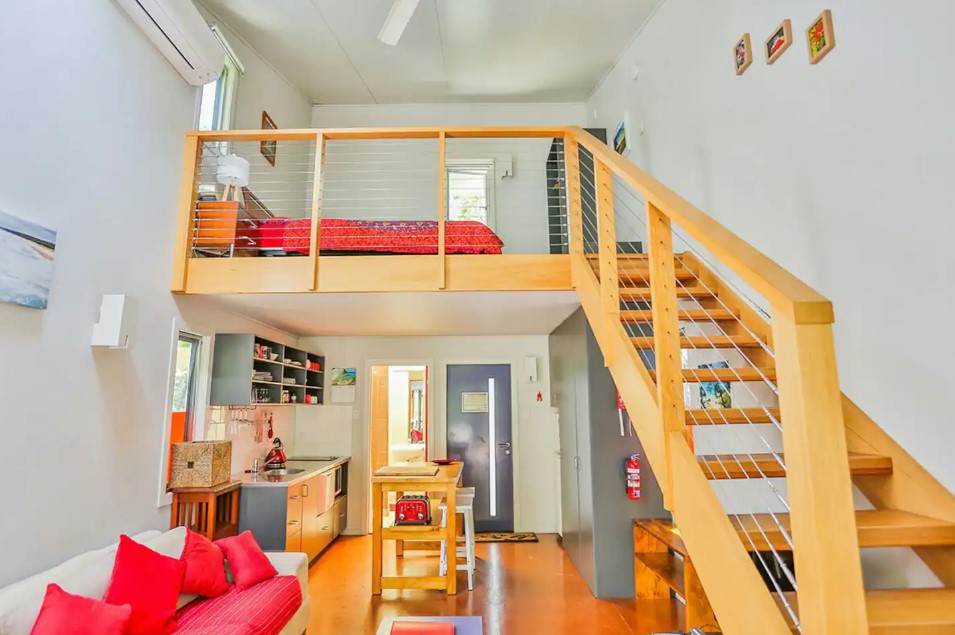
[
  {"x": 521, "y": 201},
  {"x": 327, "y": 429},
  {"x": 839, "y": 171},
  {"x": 286, "y": 187},
  {"x": 96, "y": 116}
]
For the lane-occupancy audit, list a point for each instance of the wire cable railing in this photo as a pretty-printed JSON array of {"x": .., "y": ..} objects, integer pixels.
[{"x": 629, "y": 210}]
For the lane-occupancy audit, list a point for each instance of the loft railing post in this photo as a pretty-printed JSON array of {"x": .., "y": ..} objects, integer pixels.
[
  {"x": 574, "y": 206},
  {"x": 188, "y": 186},
  {"x": 607, "y": 246},
  {"x": 666, "y": 336},
  {"x": 831, "y": 593},
  {"x": 318, "y": 185},
  {"x": 442, "y": 209}
]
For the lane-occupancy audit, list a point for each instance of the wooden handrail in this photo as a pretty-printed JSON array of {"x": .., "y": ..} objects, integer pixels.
[
  {"x": 783, "y": 290},
  {"x": 307, "y": 134}
]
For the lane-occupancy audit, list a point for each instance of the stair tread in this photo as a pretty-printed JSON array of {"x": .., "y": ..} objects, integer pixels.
[
  {"x": 704, "y": 342},
  {"x": 903, "y": 611},
  {"x": 896, "y": 611},
  {"x": 877, "y": 528},
  {"x": 723, "y": 416},
  {"x": 729, "y": 466},
  {"x": 642, "y": 294},
  {"x": 687, "y": 315},
  {"x": 697, "y": 375}
]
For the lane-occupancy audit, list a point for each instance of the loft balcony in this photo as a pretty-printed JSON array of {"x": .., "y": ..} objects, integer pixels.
[{"x": 374, "y": 210}]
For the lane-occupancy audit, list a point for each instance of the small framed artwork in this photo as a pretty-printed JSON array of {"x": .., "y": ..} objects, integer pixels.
[
  {"x": 779, "y": 41},
  {"x": 268, "y": 148},
  {"x": 821, "y": 37},
  {"x": 620, "y": 142},
  {"x": 743, "y": 51}
]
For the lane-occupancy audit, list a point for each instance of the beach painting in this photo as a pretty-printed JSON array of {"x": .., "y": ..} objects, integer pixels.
[{"x": 26, "y": 261}]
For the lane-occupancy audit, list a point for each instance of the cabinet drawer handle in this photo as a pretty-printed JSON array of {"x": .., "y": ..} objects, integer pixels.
[
  {"x": 293, "y": 522},
  {"x": 294, "y": 498},
  {"x": 305, "y": 490}
]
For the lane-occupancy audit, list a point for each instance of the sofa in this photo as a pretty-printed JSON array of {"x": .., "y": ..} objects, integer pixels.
[{"x": 88, "y": 574}]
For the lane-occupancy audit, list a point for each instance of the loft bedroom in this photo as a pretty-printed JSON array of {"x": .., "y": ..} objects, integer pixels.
[{"x": 253, "y": 219}]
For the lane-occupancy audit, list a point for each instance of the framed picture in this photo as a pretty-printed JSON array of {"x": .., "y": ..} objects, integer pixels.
[
  {"x": 344, "y": 376},
  {"x": 716, "y": 394},
  {"x": 743, "y": 52},
  {"x": 268, "y": 148},
  {"x": 821, "y": 37},
  {"x": 26, "y": 261},
  {"x": 779, "y": 41},
  {"x": 620, "y": 142}
]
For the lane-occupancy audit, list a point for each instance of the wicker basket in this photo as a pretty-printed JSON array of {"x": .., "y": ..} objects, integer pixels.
[{"x": 201, "y": 464}]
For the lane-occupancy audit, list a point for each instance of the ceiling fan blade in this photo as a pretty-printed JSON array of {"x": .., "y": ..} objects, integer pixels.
[{"x": 397, "y": 21}]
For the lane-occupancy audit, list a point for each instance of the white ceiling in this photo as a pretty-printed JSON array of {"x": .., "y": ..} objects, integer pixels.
[
  {"x": 452, "y": 313},
  {"x": 452, "y": 51}
]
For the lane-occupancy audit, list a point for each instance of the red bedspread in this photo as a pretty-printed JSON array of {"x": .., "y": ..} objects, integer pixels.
[
  {"x": 263, "y": 609},
  {"x": 403, "y": 237}
]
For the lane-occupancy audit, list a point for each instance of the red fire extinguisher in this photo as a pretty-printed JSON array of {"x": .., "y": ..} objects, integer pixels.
[{"x": 632, "y": 469}]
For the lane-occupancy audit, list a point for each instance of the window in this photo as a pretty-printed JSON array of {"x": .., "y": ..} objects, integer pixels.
[
  {"x": 185, "y": 382},
  {"x": 217, "y": 99},
  {"x": 471, "y": 191}
]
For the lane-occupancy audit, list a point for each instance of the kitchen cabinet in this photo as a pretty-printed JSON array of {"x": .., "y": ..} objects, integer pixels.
[
  {"x": 293, "y": 518},
  {"x": 340, "y": 512},
  {"x": 304, "y": 516},
  {"x": 245, "y": 373},
  {"x": 317, "y": 519}
]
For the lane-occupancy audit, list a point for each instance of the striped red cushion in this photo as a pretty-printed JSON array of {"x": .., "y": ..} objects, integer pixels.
[{"x": 263, "y": 609}]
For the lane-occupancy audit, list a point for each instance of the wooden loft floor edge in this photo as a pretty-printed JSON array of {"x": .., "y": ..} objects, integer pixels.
[{"x": 379, "y": 274}]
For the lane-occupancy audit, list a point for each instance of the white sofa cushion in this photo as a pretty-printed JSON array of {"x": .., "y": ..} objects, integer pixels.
[{"x": 87, "y": 574}]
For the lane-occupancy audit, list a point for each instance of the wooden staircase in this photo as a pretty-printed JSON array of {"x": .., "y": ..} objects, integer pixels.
[{"x": 705, "y": 302}]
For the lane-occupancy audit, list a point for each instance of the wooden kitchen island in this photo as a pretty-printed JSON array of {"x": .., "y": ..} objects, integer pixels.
[{"x": 442, "y": 484}]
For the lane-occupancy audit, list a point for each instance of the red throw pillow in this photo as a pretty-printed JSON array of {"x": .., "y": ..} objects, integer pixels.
[
  {"x": 65, "y": 614},
  {"x": 205, "y": 567},
  {"x": 149, "y": 582},
  {"x": 248, "y": 562}
]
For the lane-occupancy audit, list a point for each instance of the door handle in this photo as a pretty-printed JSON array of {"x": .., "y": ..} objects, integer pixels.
[{"x": 504, "y": 446}]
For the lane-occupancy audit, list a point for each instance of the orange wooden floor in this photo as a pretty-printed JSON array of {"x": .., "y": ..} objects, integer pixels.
[{"x": 520, "y": 589}]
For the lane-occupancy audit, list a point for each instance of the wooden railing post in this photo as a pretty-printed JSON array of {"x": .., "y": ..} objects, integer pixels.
[
  {"x": 666, "y": 336},
  {"x": 442, "y": 209},
  {"x": 828, "y": 564},
  {"x": 607, "y": 246},
  {"x": 575, "y": 216},
  {"x": 188, "y": 185},
  {"x": 318, "y": 186}
]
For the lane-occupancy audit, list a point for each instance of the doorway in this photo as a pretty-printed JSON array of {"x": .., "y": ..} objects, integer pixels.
[
  {"x": 399, "y": 416},
  {"x": 479, "y": 433}
]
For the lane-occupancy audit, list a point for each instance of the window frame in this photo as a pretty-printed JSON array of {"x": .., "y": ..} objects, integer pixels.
[
  {"x": 458, "y": 165},
  {"x": 203, "y": 379},
  {"x": 226, "y": 86}
]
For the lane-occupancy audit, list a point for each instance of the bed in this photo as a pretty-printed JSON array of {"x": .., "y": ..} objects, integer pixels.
[{"x": 291, "y": 236}]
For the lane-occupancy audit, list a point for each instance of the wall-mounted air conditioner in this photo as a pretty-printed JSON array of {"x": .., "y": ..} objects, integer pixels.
[{"x": 178, "y": 29}]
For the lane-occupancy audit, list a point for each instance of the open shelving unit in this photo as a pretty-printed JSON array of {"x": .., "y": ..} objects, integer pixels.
[{"x": 251, "y": 370}]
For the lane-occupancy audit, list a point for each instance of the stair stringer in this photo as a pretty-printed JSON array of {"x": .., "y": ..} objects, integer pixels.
[
  {"x": 712, "y": 541},
  {"x": 910, "y": 488}
]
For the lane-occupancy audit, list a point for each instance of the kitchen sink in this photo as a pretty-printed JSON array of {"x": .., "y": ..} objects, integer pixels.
[{"x": 284, "y": 471}]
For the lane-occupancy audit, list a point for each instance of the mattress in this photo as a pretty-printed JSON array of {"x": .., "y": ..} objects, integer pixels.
[{"x": 292, "y": 236}]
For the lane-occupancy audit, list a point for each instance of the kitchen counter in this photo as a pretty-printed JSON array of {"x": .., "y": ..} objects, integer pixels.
[{"x": 311, "y": 467}]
